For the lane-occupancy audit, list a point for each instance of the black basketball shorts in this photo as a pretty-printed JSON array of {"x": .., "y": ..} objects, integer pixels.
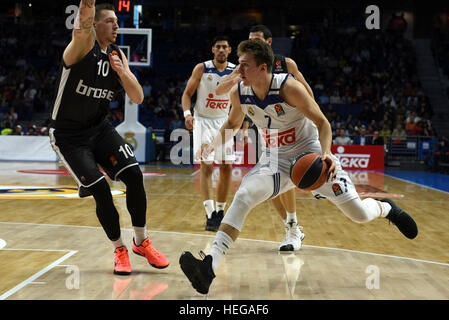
[{"x": 83, "y": 152}]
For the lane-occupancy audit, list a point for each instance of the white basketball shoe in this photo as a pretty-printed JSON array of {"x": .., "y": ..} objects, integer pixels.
[{"x": 293, "y": 237}]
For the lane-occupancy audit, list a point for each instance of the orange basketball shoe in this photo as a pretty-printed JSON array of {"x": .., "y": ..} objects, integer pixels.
[
  {"x": 121, "y": 261},
  {"x": 154, "y": 257}
]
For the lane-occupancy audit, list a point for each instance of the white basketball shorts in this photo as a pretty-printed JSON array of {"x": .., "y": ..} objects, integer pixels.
[{"x": 204, "y": 132}]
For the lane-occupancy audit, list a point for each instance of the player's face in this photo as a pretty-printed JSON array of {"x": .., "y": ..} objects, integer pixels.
[
  {"x": 249, "y": 70},
  {"x": 258, "y": 36},
  {"x": 106, "y": 26},
  {"x": 221, "y": 51}
]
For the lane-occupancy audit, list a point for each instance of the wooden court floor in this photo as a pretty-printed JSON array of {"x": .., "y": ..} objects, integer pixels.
[{"x": 52, "y": 245}]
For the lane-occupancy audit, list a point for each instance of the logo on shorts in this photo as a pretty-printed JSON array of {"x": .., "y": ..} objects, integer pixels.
[
  {"x": 113, "y": 160},
  {"x": 251, "y": 111},
  {"x": 279, "y": 110},
  {"x": 337, "y": 189},
  {"x": 228, "y": 151}
]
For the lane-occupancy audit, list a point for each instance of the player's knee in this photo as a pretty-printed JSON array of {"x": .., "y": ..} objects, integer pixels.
[
  {"x": 242, "y": 194},
  {"x": 247, "y": 196},
  {"x": 101, "y": 192},
  {"x": 207, "y": 168},
  {"x": 132, "y": 175}
]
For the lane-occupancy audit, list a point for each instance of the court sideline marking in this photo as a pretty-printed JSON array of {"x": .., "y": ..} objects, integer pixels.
[
  {"x": 39, "y": 273},
  {"x": 246, "y": 239}
]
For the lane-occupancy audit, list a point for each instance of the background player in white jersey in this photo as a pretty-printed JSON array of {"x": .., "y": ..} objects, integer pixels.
[
  {"x": 285, "y": 204},
  {"x": 300, "y": 127},
  {"x": 210, "y": 112}
]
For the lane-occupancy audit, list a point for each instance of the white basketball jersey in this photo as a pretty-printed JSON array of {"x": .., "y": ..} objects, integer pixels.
[
  {"x": 280, "y": 125},
  {"x": 208, "y": 104}
]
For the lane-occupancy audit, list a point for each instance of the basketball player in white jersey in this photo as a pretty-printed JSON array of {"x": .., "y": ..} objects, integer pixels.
[
  {"x": 291, "y": 122},
  {"x": 285, "y": 204},
  {"x": 210, "y": 112}
]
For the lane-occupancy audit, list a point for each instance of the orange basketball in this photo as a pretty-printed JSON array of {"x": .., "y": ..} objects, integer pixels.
[{"x": 308, "y": 171}]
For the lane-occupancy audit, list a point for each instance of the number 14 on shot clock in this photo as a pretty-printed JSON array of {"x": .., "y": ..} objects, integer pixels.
[{"x": 124, "y": 6}]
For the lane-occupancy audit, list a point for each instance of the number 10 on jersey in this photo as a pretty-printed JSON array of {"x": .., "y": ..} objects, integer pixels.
[{"x": 103, "y": 68}]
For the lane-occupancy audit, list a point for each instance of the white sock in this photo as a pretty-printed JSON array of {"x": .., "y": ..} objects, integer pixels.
[
  {"x": 209, "y": 206},
  {"x": 139, "y": 234},
  {"x": 385, "y": 208},
  {"x": 118, "y": 243},
  {"x": 291, "y": 217},
  {"x": 222, "y": 243},
  {"x": 220, "y": 206}
]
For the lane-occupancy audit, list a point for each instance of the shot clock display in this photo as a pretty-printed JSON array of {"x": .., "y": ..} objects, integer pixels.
[{"x": 124, "y": 6}]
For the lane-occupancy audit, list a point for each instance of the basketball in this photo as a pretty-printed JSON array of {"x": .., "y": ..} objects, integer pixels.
[{"x": 308, "y": 171}]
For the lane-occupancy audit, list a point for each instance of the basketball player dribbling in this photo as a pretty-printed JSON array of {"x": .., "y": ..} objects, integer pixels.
[
  {"x": 93, "y": 70},
  {"x": 285, "y": 203},
  {"x": 299, "y": 128},
  {"x": 210, "y": 112}
]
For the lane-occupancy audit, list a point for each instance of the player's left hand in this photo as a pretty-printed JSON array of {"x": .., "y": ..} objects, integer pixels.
[
  {"x": 116, "y": 64},
  {"x": 332, "y": 168}
]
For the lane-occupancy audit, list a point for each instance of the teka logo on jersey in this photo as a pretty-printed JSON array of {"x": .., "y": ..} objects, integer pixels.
[
  {"x": 280, "y": 139},
  {"x": 216, "y": 103},
  {"x": 97, "y": 93},
  {"x": 352, "y": 161}
]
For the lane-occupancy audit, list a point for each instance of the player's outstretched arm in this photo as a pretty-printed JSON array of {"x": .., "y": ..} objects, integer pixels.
[
  {"x": 228, "y": 82},
  {"x": 83, "y": 35},
  {"x": 189, "y": 91},
  {"x": 295, "y": 94},
  {"x": 127, "y": 78}
]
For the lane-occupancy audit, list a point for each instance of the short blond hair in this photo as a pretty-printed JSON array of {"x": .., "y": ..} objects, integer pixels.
[{"x": 260, "y": 50}]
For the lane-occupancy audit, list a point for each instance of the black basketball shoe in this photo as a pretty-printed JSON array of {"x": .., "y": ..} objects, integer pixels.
[
  {"x": 84, "y": 192},
  {"x": 401, "y": 220},
  {"x": 213, "y": 223},
  {"x": 199, "y": 272}
]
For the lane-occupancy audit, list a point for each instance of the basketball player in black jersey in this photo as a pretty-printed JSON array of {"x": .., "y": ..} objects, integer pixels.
[
  {"x": 285, "y": 204},
  {"x": 93, "y": 70}
]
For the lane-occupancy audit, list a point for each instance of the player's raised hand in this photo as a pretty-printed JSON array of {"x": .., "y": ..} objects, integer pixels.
[{"x": 116, "y": 63}]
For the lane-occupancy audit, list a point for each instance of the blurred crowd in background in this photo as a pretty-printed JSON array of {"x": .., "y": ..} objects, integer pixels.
[{"x": 365, "y": 81}]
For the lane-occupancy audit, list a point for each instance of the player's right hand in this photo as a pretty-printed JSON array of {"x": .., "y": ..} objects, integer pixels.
[
  {"x": 332, "y": 168},
  {"x": 189, "y": 122},
  {"x": 237, "y": 76},
  {"x": 203, "y": 152}
]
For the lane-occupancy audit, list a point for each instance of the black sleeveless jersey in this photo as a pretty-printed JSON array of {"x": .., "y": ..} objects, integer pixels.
[
  {"x": 85, "y": 90},
  {"x": 279, "y": 64}
]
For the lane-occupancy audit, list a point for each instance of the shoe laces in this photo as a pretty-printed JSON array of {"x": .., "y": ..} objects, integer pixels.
[
  {"x": 147, "y": 244},
  {"x": 202, "y": 254},
  {"x": 120, "y": 254}
]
